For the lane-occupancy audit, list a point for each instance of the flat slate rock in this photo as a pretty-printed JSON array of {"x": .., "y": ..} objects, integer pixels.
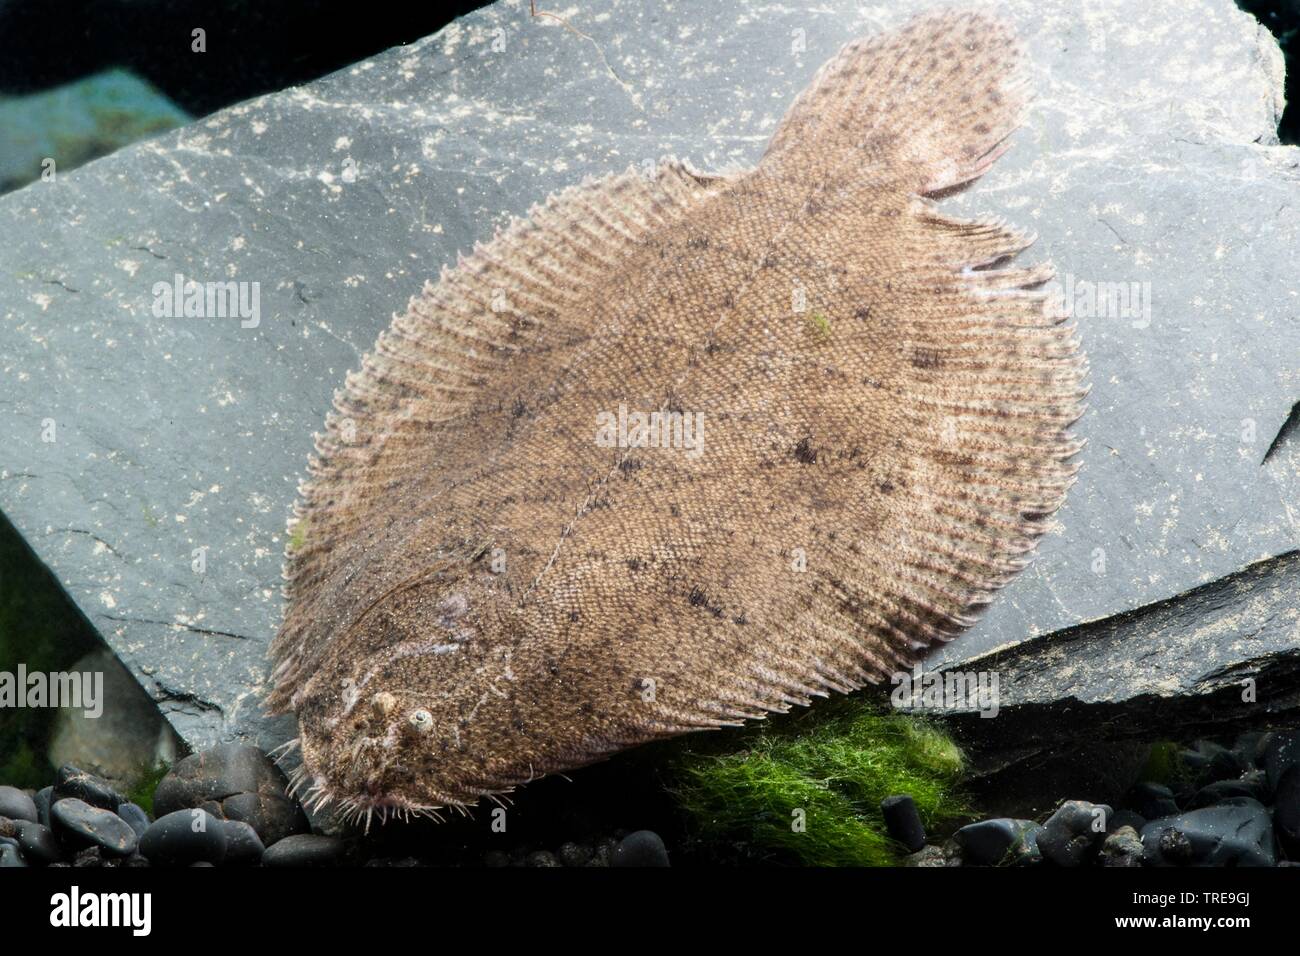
[{"x": 1150, "y": 157}]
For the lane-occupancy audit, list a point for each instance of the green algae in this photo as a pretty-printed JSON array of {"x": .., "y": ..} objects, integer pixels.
[{"x": 807, "y": 788}]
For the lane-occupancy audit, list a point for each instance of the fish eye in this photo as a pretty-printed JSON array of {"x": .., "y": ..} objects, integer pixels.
[{"x": 421, "y": 720}]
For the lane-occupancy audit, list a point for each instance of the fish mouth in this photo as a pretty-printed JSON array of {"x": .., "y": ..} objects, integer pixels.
[{"x": 352, "y": 804}]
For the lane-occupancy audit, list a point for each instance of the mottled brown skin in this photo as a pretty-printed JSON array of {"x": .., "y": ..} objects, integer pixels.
[{"x": 908, "y": 442}]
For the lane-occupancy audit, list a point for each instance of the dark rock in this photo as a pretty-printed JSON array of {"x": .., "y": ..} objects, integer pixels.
[
  {"x": 16, "y": 805},
  {"x": 562, "y": 92},
  {"x": 38, "y": 843},
  {"x": 1236, "y": 833},
  {"x": 1281, "y": 753},
  {"x": 1152, "y": 800},
  {"x": 1074, "y": 833},
  {"x": 574, "y": 854},
  {"x": 304, "y": 849},
  {"x": 243, "y": 846},
  {"x": 542, "y": 858},
  {"x": 183, "y": 837},
  {"x": 496, "y": 859},
  {"x": 135, "y": 816},
  {"x": 235, "y": 782},
  {"x": 81, "y": 825},
  {"x": 1253, "y": 785},
  {"x": 202, "y": 863},
  {"x": 903, "y": 821},
  {"x": 1211, "y": 762},
  {"x": 1126, "y": 818},
  {"x": 998, "y": 842},
  {"x": 1122, "y": 848},
  {"x": 44, "y": 799},
  {"x": 1248, "y": 746},
  {"x": 10, "y": 856},
  {"x": 640, "y": 848},
  {"x": 87, "y": 787},
  {"x": 1286, "y": 812}
]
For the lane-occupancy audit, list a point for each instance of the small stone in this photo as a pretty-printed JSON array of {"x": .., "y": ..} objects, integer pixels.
[
  {"x": 495, "y": 859},
  {"x": 998, "y": 842},
  {"x": 135, "y": 816},
  {"x": 1237, "y": 832},
  {"x": 1281, "y": 753},
  {"x": 304, "y": 849},
  {"x": 1222, "y": 763},
  {"x": 903, "y": 821},
  {"x": 640, "y": 848},
  {"x": 86, "y": 787},
  {"x": 184, "y": 837},
  {"x": 10, "y": 856},
  {"x": 574, "y": 854},
  {"x": 83, "y": 825},
  {"x": 38, "y": 843},
  {"x": 243, "y": 845},
  {"x": 542, "y": 858},
  {"x": 1152, "y": 800},
  {"x": 1253, "y": 785},
  {"x": 235, "y": 782},
  {"x": 44, "y": 799},
  {"x": 1248, "y": 745},
  {"x": 16, "y": 805},
  {"x": 1125, "y": 818},
  {"x": 1286, "y": 812},
  {"x": 1122, "y": 848},
  {"x": 1074, "y": 833}
]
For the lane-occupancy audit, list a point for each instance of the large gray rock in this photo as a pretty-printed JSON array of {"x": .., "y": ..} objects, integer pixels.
[{"x": 1150, "y": 157}]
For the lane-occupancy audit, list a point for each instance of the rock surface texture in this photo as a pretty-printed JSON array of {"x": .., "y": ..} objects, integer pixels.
[{"x": 151, "y": 460}]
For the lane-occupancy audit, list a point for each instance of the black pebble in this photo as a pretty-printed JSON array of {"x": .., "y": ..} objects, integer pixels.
[
  {"x": 1152, "y": 800},
  {"x": 1074, "y": 833},
  {"x": 10, "y": 857},
  {"x": 903, "y": 822},
  {"x": 998, "y": 841},
  {"x": 44, "y": 799},
  {"x": 1237, "y": 832},
  {"x": 85, "y": 786},
  {"x": 184, "y": 837},
  {"x": 243, "y": 845},
  {"x": 641, "y": 848},
  {"x": 16, "y": 805},
  {"x": 1286, "y": 812},
  {"x": 82, "y": 825},
  {"x": 135, "y": 816},
  {"x": 38, "y": 843},
  {"x": 1281, "y": 753},
  {"x": 234, "y": 782},
  {"x": 303, "y": 849},
  {"x": 1253, "y": 785},
  {"x": 541, "y": 858}
]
